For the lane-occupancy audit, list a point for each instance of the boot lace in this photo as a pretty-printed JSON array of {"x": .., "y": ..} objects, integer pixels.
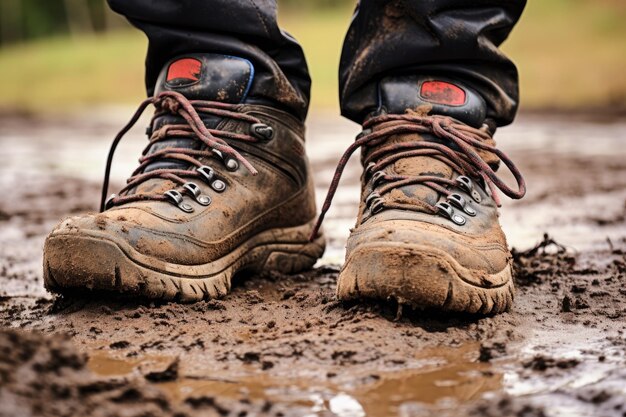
[
  {"x": 214, "y": 145},
  {"x": 458, "y": 151}
]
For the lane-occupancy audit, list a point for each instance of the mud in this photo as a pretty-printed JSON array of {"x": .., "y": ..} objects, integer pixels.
[{"x": 283, "y": 345}]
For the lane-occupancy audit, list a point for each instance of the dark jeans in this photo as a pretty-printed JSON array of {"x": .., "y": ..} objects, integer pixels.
[{"x": 455, "y": 38}]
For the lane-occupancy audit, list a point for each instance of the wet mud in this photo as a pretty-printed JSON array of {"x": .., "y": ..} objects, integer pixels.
[{"x": 283, "y": 345}]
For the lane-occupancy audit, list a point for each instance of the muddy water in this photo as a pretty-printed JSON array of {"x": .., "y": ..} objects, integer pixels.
[
  {"x": 445, "y": 375},
  {"x": 283, "y": 344}
]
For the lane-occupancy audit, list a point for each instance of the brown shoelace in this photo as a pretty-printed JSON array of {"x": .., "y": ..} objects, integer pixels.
[
  {"x": 461, "y": 156},
  {"x": 213, "y": 139}
]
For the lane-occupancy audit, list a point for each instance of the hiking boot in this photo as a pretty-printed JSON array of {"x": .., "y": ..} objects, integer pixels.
[
  {"x": 223, "y": 186},
  {"x": 427, "y": 233}
]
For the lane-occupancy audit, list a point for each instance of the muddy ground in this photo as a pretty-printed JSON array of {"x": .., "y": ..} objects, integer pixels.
[{"x": 283, "y": 345}]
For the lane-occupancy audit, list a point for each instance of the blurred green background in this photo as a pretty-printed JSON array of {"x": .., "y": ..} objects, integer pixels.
[{"x": 60, "y": 55}]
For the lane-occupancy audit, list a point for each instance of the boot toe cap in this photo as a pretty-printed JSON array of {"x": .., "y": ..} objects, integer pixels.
[
  {"x": 486, "y": 252},
  {"x": 427, "y": 266}
]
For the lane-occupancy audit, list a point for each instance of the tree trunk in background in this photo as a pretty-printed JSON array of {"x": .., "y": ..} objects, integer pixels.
[
  {"x": 113, "y": 20},
  {"x": 78, "y": 17},
  {"x": 11, "y": 22}
]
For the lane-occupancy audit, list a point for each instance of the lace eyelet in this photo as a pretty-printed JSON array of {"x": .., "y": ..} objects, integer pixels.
[
  {"x": 370, "y": 198},
  {"x": 377, "y": 206},
  {"x": 466, "y": 184},
  {"x": 262, "y": 131},
  {"x": 446, "y": 210},
  {"x": 218, "y": 185},
  {"x": 231, "y": 164},
  {"x": 364, "y": 132},
  {"x": 194, "y": 190},
  {"x": 109, "y": 203},
  {"x": 369, "y": 168},
  {"x": 176, "y": 198},
  {"x": 458, "y": 201},
  {"x": 378, "y": 177},
  {"x": 207, "y": 173}
]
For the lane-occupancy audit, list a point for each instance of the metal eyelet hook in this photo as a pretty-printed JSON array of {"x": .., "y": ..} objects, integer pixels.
[
  {"x": 446, "y": 210},
  {"x": 370, "y": 198},
  {"x": 465, "y": 183},
  {"x": 458, "y": 201},
  {"x": 362, "y": 133},
  {"x": 230, "y": 163},
  {"x": 262, "y": 131},
  {"x": 378, "y": 177},
  {"x": 194, "y": 190},
  {"x": 476, "y": 196},
  {"x": 207, "y": 173},
  {"x": 218, "y": 185},
  {"x": 377, "y": 206},
  {"x": 176, "y": 198},
  {"x": 369, "y": 168},
  {"x": 109, "y": 203}
]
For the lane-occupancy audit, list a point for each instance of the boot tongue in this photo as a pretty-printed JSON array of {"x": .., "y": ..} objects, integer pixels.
[
  {"x": 209, "y": 77},
  {"x": 427, "y": 95}
]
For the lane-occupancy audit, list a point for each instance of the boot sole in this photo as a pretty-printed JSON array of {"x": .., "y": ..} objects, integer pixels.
[
  {"x": 422, "y": 277},
  {"x": 79, "y": 261}
]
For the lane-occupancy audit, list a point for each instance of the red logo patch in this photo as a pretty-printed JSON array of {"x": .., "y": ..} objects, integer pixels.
[
  {"x": 187, "y": 69},
  {"x": 441, "y": 92}
]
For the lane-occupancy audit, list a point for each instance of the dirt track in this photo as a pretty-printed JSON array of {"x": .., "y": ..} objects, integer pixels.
[{"x": 283, "y": 345}]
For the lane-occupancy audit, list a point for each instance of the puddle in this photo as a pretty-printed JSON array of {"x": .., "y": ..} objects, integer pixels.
[
  {"x": 450, "y": 384},
  {"x": 444, "y": 376},
  {"x": 105, "y": 364}
]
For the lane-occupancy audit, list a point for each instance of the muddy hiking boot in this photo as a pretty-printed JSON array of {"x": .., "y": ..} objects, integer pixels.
[
  {"x": 223, "y": 186},
  {"x": 427, "y": 233}
]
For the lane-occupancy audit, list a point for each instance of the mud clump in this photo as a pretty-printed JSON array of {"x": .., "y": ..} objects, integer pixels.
[
  {"x": 547, "y": 261},
  {"x": 542, "y": 363},
  {"x": 169, "y": 374},
  {"x": 489, "y": 351},
  {"x": 47, "y": 376},
  {"x": 507, "y": 406},
  {"x": 566, "y": 304},
  {"x": 101, "y": 222}
]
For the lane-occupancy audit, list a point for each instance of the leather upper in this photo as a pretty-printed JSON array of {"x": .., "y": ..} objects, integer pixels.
[
  {"x": 477, "y": 244},
  {"x": 280, "y": 195}
]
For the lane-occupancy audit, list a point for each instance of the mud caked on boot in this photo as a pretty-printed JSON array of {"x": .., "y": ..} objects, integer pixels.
[
  {"x": 223, "y": 186},
  {"x": 427, "y": 233}
]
